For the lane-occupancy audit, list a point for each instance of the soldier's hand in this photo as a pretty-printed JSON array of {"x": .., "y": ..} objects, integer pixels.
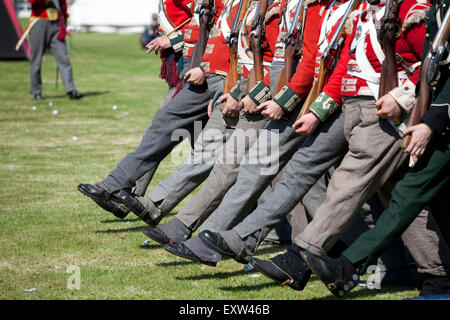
[
  {"x": 307, "y": 124},
  {"x": 388, "y": 108},
  {"x": 230, "y": 106},
  {"x": 249, "y": 106},
  {"x": 158, "y": 44},
  {"x": 420, "y": 136},
  {"x": 195, "y": 76},
  {"x": 271, "y": 110}
]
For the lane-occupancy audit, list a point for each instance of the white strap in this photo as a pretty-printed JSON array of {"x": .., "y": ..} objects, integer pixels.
[
  {"x": 246, "y": 56},
  {"x": 374, "y": 38},
  {"x": 329, "y": 22},
  {"x": 164, "y": 23}
]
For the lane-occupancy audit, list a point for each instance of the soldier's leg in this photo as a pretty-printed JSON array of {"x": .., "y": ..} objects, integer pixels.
[
  {"x": 208, "y": 147},
  {"x": 226, "y": 168},
  {"x": 269, "y": 154},
  {"x": 38, "y": 43},
  {"x": 143, "y": 182},
  {"x": 319, "y": 152},
  {"x": 418, "y": 187},
  {"x": 171, "y": 191},
  {"x": 392, "y": 267},
  {"x": 59, "y": 51},
  {"x": 167, "y": 129},
  {"x": 374, "y": 155}
]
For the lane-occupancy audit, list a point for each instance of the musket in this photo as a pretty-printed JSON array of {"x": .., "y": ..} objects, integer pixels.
[
  {"x": 328, "y": 60},
  {"x": 206, "y": 12},
  {"x": 429, "y": 74},
  {"x": 232, "y": 41},
  {"x": 57, "y": 6},
  {"x": 292, "y": 45},
  {"x": 256, "y": 38},
  {"x": 388, "y": 34}
]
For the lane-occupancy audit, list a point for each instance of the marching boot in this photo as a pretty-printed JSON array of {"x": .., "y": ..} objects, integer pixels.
[
  {"x": 339, "y": 275},
  {"x": 435, "y": 285},
  {"x": 287, "y": 268},
  {"x": 182, "y": 251},
  {"x": 174, "y": 231},
  {"x": 137, "y": 207},
  {"x": 74, "y": 95},
  {"x": 216, "y": 242},
  {"x": 104, "y": 198}
]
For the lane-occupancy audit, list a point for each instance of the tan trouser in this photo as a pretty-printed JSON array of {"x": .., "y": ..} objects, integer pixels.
[{"x": 374, "y": 155}]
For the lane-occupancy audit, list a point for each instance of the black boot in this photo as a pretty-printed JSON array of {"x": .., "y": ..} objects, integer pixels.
[
  {"x": 287, "y": 268},
  {"x": 182, "y": 251},
  {"x": 105, "y": 199},
  {"x": 216, "y": 242},
  {"x": 435, "y": 285},
  {"x": 173, "y": 231},
  {"x": 339, "y": 275},
  {"x": 137, "y": 207},
  {"x": 74, "y": 94}
]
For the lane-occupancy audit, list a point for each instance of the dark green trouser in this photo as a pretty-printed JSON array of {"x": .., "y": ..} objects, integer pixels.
[{"x": 418, "y": 188}]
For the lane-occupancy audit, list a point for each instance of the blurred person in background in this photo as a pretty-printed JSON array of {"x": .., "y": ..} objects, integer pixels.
[
  {"x": 150, "y": 32},
  {"x": 48, "y": 30}
]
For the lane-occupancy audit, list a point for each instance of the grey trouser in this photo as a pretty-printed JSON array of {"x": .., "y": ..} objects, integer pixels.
[
  {"x": 170, "y": 125},
  {"x": 264, "y": 159},
  {"x": 142, "y": 183},
  {"x": 319, "y": 153},
  {"x": 208, "y": 147},
  {"x": 226, "y": 168},
  {"x": 43, "y": 35},
  {"x": 374, "y": 156}
]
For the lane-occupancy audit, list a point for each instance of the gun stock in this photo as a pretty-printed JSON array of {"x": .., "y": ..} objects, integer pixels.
[
  {"x": 389, "y": 33},
  {"x": 328, "y": 60},
  {"x": 292, "y": 47},
  {"x": 256, "y": 38},
  {"x": 206, "y": 12}
]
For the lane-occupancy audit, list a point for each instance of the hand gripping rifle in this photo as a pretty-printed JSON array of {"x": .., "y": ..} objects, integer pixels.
[
  {"x": 256, "y": 38},
  {"x": 232, "y": 41},
  {"x": 328, "y": 59},
  {"x": 206, "y": 12},
  {"x": 388, "y": 34},
  {"x": 292, "y": 43},
  {"x": 429, "y": 74}
]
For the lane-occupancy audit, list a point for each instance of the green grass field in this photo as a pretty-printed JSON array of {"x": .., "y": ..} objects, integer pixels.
[{"x": 47, "y": 225}]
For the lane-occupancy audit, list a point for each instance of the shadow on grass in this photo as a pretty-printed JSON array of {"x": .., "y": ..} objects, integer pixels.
[
  {"x": 120, "y": 220},
  {"x": 367, "y": 293},
  {"x": 217, "y": 275},
  {"x": 85, "y": 94},
  {"x": 134, "y": 229},
  {"x": 251, "y": 287},
  {"x": 151, "y": 246},
  {"x": 175, "y": 263}
]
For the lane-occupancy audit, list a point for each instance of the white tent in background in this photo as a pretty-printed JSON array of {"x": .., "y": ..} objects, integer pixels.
[{"x": 128, "y": 16}]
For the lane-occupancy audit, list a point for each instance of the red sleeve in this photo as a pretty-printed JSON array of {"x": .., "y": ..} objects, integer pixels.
[
  {"x": 415, "y": 39},
  {"x": 303, "y": 77}
]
